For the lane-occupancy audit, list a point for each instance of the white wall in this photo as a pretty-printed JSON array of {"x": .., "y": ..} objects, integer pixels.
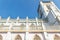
[
  {"x": 6, "y": 36},
  {"x": 31, "y": 36},
  {"x": 3, "y": 35},
  {"x": 15, "y": 34},
  {"x": 51, "y": 35}
]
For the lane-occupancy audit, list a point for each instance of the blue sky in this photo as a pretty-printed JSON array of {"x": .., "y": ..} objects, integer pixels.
[{"x": 21, "y": 8}]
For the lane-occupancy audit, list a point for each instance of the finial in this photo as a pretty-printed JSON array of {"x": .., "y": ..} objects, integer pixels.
[
  {"x": 8, "y": 18},
  {"x": 0, "y": 17},
  {"x": 27, "y": 17},
  {"x": 36, "y": 18},
  {"x": 18, "y": 18}
]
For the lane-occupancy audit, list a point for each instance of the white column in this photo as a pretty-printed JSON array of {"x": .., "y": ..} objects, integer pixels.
[
  {"x": 27, "y": 28},
  {"x": 8, "y": 36},
  {"x": 45, "y": 33}
]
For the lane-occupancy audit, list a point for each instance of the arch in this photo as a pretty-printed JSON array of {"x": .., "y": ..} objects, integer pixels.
[
  {"x": 32, "y": 25},
  {"x": 56, "y": 37},
  {"x": 36, "y": 37},
  {"x": 22, "y": 25},
  {"x": 18, "y": 37},
  {"x": 1, "y": 37}
]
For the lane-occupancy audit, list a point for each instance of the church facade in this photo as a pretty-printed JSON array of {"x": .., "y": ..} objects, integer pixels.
[{"x": 45, "y": 27}]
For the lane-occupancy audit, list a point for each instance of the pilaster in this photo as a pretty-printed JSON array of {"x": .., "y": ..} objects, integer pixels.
[
  {"x": 27, "y": 28},
  {"x": 45, "y": 33}
]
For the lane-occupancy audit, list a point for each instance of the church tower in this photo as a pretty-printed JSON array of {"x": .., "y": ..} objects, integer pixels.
[
  {"x": 33, "y": 29},
  {"x": 47, "y": 10}
]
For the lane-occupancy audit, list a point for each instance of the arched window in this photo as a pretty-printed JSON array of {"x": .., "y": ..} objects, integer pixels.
[
  {"x": 32, "y": 25},
  {"x": 1, "y": 37},
  {"x": 56, "y": 37},
  {"x": 22, "y": 25},
  {"x": 18, "y": 37},
  {"x": 36, "y": 37}
]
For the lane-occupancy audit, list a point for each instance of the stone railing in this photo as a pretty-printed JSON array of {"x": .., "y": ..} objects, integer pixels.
[
  {"x": 36, "y": 28},
  {"x": 4, "y": 27},
  {"x": 18, "y": 28}
]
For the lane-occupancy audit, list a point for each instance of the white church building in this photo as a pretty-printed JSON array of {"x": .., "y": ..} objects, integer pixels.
[{"x": 44, "y": 27}]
